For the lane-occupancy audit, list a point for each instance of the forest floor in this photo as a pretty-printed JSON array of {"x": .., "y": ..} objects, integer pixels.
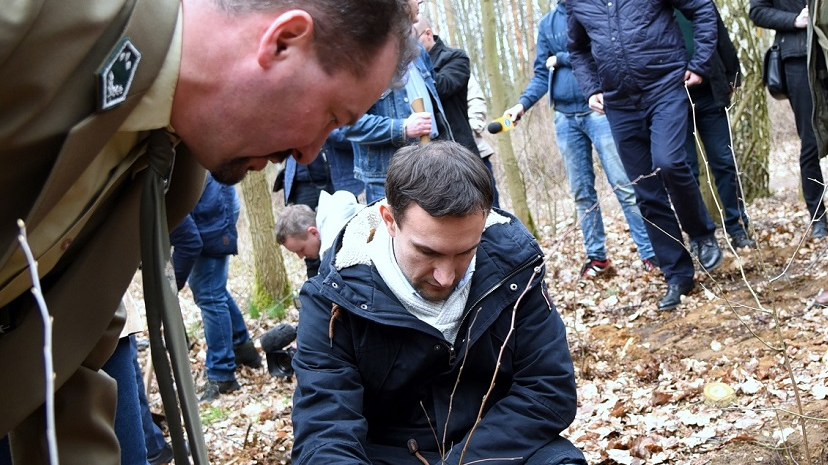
[{"x": 642, "y": 375}]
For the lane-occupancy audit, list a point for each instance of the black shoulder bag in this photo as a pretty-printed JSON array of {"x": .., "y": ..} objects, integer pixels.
[{"x": 773, "y": 73}]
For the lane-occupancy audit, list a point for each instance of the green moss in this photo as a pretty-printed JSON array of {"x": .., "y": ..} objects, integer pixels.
[
  {"x": 211, "y": 414},
  {"x": 263, "y": 303}
]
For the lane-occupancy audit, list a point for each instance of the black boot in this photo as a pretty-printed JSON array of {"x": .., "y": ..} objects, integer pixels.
[{"x": 672, "y": 299}]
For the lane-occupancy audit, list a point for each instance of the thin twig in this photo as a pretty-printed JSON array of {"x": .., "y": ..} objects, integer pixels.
[
  {"x": 48, "y": 365},
  {"x": 499, "y": 358},
  {"x": 442, "y": 445}
]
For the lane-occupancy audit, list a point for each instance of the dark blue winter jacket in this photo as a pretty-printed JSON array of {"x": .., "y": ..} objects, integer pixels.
[
  {"x": 371, "y": 376},
  {"x": 564, "y": 92},
  {"x": 210, "y": 229},
  {"x": 633, "y": 51}
]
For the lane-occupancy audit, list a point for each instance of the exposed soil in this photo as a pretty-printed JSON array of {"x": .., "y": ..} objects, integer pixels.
[{"x": 642, "y": 373}]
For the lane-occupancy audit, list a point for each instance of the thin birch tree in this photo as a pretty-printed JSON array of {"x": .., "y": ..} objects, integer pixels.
[
  {"x": 514, "y": 179},
  {"x": 271, "y": 287}
]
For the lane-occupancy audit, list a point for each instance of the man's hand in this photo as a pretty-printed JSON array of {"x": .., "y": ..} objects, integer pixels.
[
  {"x": 514, "y": 113},
  {"x": 596, "y": 102},
  {"x": 691, "y": 78},
  {"x": 801, "y": 21},
  {"x": 418, "y": 124},
  {"x": 551, "y": 62}
]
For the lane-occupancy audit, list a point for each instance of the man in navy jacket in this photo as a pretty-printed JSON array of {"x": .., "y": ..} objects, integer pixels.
[
  {"x": 631, "y": 62},
  {"x": 422, "y": 300},
  {"x": 577, "y": 129}
]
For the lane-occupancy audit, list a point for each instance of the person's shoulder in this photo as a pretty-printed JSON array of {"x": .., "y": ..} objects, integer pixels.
[
  {"x": 501, "y": 225},
  {"x": 456, "y": 52},
  {"x": 507, "y": 247}
]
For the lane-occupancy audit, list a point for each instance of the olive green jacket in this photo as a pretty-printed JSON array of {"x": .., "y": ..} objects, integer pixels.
[
  {"x": 51, "y": 129},
  {"x": 817, "y": 58}
]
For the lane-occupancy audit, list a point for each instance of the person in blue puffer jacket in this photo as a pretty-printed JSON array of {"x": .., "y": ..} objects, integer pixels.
[
  {"x": 203, "y": 243},
  {"x": 631, "y": 62},
  {"x": 577, "y": 129}
]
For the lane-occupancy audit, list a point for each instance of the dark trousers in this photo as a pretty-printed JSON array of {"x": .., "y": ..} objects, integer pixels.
[
  {"x": 799, "y": 95},
  {"x": 488, "y": 163},
  {"x": 714, "y": 132},
  {"x": 653, "y": 138},
  {"x": 5, "y": 451}
]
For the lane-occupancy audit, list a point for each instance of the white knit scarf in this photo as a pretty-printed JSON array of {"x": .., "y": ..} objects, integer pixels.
[
  {"x": 366, "y": 240},
  {"x": 444, "y": 315}
]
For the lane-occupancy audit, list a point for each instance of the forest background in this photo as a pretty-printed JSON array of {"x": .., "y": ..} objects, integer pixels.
[{"x": 647, "y": 381}]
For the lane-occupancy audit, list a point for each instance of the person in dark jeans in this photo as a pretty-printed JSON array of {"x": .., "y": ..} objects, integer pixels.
[
  {"x": 710, "y": 99},
  {"x": 789, "y": 18},
  {"x": 631, "y": 62},
  {"x": 141, "y": 440},
  {"x": 213, "y": 221},
  {"x": 579, "y": 130}
]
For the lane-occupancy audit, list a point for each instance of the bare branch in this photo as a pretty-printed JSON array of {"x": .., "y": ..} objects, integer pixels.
[{"x": 48, "y": 365}]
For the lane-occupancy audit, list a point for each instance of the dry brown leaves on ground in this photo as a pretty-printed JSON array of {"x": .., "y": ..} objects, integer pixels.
[{"x": 641, "y": 374}]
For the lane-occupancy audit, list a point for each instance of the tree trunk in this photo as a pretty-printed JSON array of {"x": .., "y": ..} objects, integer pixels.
[
  {"x": 514, "y": 181},
  {"x": 749, "y": 117},
  {"x": 531, "y": 35},
  {"x": 271, "y": 288},
  {"x": 452, "y": 35},
  {"x": 519, "y": 38}
]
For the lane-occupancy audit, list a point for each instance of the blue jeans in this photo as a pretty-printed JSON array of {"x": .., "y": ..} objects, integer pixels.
[
  {"x": 153, "y": 436},
  {"x": 224, "y": 325},
  {"x": 128, "y": 426},
  {"x": 575, "y": 135},
  {"x": 714, "y": 132},
  {"x": 374, "y": 191},
  {"x": 653, "y": 138}
]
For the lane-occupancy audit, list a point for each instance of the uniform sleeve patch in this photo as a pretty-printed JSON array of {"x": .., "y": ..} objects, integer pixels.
[{"x": 116, "y": 75}]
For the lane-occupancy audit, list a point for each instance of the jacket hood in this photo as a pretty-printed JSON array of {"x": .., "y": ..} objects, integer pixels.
[{"x": 350, "y": 279}]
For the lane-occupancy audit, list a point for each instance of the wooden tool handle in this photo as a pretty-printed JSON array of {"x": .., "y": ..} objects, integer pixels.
[{"x": 417, "y": 106}]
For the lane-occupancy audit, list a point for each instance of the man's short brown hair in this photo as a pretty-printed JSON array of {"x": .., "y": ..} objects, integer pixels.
[{"x": 348, "y": 33}]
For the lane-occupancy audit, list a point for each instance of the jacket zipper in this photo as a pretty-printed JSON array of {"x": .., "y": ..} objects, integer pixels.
[{"x": 452, "y": 350}]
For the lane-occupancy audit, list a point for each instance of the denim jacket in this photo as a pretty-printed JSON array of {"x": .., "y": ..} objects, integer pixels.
[
  {"x": 564, "y": 92},
  {"x": 380, "y": 132}
]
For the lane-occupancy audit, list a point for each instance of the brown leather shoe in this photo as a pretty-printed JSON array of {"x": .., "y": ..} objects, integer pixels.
[{"x": 822, "y": 299}]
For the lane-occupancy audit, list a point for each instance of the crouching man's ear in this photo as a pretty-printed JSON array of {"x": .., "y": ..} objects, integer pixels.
[{"x": 288, "y": 33}]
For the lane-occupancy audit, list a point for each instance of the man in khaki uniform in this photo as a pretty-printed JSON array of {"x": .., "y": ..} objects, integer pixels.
[{"x": 85, "y": 88}]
